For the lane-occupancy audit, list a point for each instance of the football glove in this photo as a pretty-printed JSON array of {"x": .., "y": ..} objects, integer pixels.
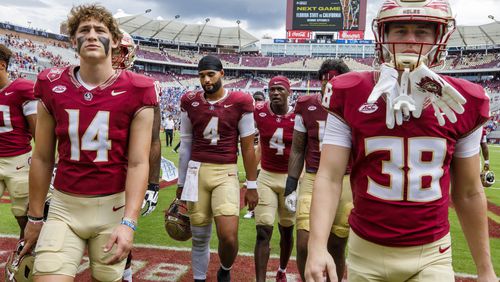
[
  {"x": 388, "y": 85},
  {"x": 150, "y": 199},
  {"x": 445, "y": 99},
  {"x": 291, "y": 202}
]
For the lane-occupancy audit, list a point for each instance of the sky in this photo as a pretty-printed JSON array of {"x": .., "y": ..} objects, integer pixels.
[{"x": 259, "y": 17}]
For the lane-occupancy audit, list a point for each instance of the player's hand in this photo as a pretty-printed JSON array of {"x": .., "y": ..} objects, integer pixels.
[
  {"x": 178, "y": 192},
  {"x": 291, "y": 185},
  {"x": 291, "y": 202},
  {"x": 445, "y": 99},
  {"x": 251, "y": 198},
  {"x": 388, "y": 87},
  {"x": 319, "y": 261},
  {"x": 150, "y": 199},
  {"x": 122, "y": 237},
  {"x": 31, "y": 233},
  {"x": 486, "y": 167}
]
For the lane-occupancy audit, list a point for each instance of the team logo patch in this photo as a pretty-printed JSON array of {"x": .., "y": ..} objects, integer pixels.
[
  {"x": 430, "y": 85},
  {"x": 368, "y": 108},
  {"x": 278, "y": 119},
  {"x": 59, "y": 89},
  {"x": 191, "y": 95},
  {"x": 259, "y": 105},
  {"x": 312, "y": 108},
  {"x": 54, "y": 74},
  {"x": 262, "y": 115},
  {"x": 195, "y": 104},
  {"x": 88, "y": 96}
]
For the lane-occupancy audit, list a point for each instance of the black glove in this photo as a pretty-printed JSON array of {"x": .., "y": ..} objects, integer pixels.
[{"x": 291, "y": 185}]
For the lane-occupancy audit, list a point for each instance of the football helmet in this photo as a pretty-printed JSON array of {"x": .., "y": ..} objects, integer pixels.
[
  {"x": 177, "y": 221},
  {"x": 124, "y": 55},
  {"x": 19, "y": 269},
  {"x": 430, "y": 11},
  {"x": 487, "y": 178}
]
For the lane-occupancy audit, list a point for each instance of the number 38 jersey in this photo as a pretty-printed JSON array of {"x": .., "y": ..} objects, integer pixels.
[
  {"x": 401, "y": 177},
  {"x": 276, "y": 134},
  {"x": 215, "y": 126},
  {"x": 93, "y": 127}
]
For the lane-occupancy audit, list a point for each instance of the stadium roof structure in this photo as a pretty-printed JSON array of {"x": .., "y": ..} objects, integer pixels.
[
  {"x": 175, "y": 31},
  {"x": 487, "y": 34}
]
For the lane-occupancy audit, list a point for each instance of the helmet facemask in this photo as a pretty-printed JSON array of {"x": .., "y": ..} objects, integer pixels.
[{"x": 124, "y": 54}]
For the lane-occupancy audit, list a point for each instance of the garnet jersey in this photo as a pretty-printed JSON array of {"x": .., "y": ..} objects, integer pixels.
[
  {"x": 15, "y": 136},
  {"x": 314, "y": 120},
  {"x": 215, "y": 126},
  {"x": 401, "y": 177},
  {"x": 93, "y": 127},
  {"x": 276, "y": 134}
]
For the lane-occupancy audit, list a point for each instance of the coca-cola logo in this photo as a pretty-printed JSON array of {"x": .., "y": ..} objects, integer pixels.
[
  {"x": 351, "y": 35},
  {"x": 299, "y": 34}
]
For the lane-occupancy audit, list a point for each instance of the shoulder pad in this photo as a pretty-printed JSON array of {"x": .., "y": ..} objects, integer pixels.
[
  {"x": 466, "y": 87},
  {"x": 348, "y": 80},
  {"x": 139, "y": 80},
  {"x": 51, "y": 74},
  {"x": 24, "y": 84}
]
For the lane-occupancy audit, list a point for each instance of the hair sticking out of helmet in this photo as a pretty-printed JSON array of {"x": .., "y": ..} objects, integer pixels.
[
  {"x": 19, "y": 269},
  {"x": 437, "y": 12},
  {"x": 124, "y": 54}
]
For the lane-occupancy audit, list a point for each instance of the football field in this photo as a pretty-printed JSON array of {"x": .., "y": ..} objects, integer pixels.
[{"x": 159, "y": 258}]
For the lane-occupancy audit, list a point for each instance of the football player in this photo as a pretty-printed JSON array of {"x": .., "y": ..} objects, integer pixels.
[
  {"x": 17, "y": 127},
  {"x": 211, "y": 121},
  {"x": 102, "y": 120},
  {"x": 411, "y": 134},
  {"x": 275, "y": 120},
  {"x": 123, "y": 58},
  {"x": 310, "y": 121}
]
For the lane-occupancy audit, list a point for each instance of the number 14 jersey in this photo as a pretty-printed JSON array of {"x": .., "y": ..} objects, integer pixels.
[{"x": 93, "y": 127}]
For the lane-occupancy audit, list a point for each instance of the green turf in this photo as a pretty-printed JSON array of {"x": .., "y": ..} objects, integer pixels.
[{"x": 151, "y": 230}]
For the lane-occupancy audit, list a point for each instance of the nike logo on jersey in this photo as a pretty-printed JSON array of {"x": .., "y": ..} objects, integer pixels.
[
  {"x": 117, "y": 208},
  {"x": 227, "y": 106},
  {"x": 8, "y": 93},
  {"x": 442, "y": 250},
  {"x": 19, "y": 167},
  {"x": 113, "y": 93}
]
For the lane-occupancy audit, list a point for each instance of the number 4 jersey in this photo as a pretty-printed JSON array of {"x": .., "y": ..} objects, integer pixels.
[
  {"x": 93, "y": 127},
  {"x": 401, "y": 177},
  {"x": 276, "y": 134}
]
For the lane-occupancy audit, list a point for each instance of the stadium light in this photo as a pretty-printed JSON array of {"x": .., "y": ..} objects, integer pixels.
[
  {"x": 147, "y": 11},
  {"x": 177, "y": 16},
  {"x": 491, "y": 17},
  {"x": 207, "y": 20}
]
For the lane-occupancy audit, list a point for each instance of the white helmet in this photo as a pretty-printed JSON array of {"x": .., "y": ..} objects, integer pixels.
[
  {"x": 124, "y": 55},
  {"x": 431, "y": 11}
]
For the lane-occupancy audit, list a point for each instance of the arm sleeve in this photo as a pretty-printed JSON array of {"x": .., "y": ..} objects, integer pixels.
[
  {"x": 185, "y": 147},
  {"x": 299, "y": 124},
  {"x": 29, "y": 108},
  {"x": 246, "y": 126},
  {"x": 337, "y": 132},
  {"x": 469, "y": 145}
]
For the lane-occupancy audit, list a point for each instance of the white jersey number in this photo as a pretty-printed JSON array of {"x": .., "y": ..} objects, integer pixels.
[
  {"x": 211, "y": 131},
  {"x": 276, "y": 142},
  {"x": 327, "y": 96},
  {"x": 95, "y": 137},
  {"x": 417, "y": 168},
  {"x": 7, "y": 123}
]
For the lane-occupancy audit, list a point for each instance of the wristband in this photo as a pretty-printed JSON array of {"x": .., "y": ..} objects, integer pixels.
[
  {"x": 153, "y": 187},
  {"x": 129, "y": 222},
  {"x": 251, "y": 184},
  {"x": 35, "y": 220},
  {"x": 487, "y": 162}
]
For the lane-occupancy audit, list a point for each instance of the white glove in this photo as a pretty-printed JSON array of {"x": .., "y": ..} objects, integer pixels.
[
  {"x": 445, "y": 99},
  {"x": 388, "y": 85},
  {"x": 291, "y": 201},
  {"x": 150, "y": 199}
]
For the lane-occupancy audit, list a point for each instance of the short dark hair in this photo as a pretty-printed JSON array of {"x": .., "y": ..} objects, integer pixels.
[
  {"x": 5, "y": 54},
  {"x": 259, "y": 93},
  {"x": 332, "y": 64}
]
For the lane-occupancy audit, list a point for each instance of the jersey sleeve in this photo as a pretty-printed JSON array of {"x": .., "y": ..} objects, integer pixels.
[
  {"x": 247, "y": 104},
  {"x": 40, "y": 93}
]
